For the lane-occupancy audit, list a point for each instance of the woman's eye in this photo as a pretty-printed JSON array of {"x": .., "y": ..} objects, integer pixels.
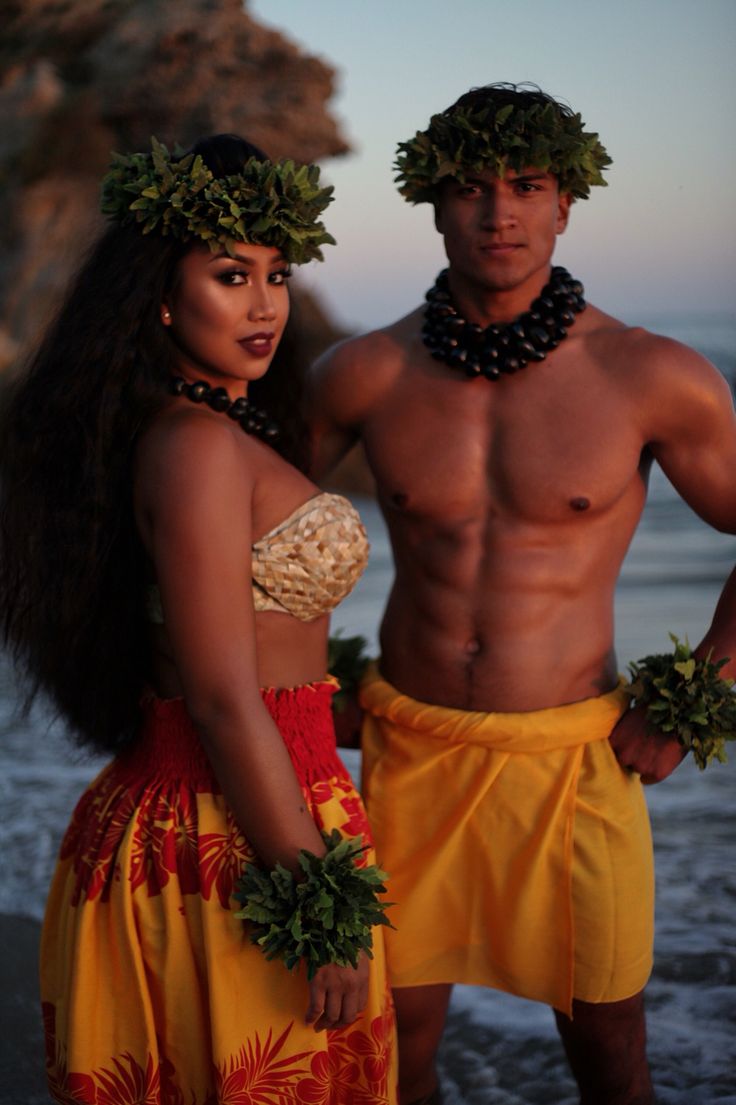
[
  {"x": 232, "y": 276},
  {"x": 280, "y": 276}
]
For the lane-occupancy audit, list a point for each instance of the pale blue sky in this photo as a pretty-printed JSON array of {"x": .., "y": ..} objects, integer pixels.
[{"x": 655, "y": 78}]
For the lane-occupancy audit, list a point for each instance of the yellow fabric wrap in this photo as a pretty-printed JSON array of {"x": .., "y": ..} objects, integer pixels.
[{"x": 519, "y": 852}]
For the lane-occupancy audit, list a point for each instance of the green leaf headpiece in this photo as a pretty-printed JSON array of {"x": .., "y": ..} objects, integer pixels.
[
  {"x": 267, "y": 204},
  {"x": 499, "y": 136}
]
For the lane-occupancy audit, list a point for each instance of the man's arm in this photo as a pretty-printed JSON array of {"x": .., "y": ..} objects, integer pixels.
[
  {"x": 342, "y": 388},
  {"x": 332, "y": 432},
  {"x": 694, "y": 441},
  {"x": 720, "y": 636},
  {"x": 345, "y": 387}
]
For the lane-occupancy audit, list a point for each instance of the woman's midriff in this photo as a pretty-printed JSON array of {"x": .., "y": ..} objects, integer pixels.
[{"x": 290, "y": 653}]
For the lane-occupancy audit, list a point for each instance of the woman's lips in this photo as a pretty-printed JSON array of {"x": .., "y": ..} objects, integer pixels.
[{"x": 258, "y": 345}]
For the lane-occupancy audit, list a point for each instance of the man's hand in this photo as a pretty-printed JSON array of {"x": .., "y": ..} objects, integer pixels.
[
  {"x": 338, "y": 995},
  {"x": 653, "y": 755},
  {"x": 348, "y": 719}
]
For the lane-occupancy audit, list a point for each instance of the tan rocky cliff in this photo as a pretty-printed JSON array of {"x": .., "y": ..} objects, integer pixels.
[{"x": 79, "y": 78}]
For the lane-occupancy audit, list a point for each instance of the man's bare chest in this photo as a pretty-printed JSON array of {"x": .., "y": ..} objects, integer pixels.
[{"x": 533, "y": 457}]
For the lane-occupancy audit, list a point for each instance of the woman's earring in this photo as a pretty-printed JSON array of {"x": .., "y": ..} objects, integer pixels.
[{"x": 166, "y": 316}]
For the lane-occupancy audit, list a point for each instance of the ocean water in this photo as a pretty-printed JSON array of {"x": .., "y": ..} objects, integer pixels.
[{"x": 500, "y": 1050}]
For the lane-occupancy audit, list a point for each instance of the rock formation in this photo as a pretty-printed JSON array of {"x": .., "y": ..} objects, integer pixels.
[{"x": 79, "y": 78}]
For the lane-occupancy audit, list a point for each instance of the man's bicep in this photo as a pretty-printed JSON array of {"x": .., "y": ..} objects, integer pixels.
[
  {"x": 332, "y": 428},
  {"x": 697, "y": 449},
  {"x": 328, "y": 445}
]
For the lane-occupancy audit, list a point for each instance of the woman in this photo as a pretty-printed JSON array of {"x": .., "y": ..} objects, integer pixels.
[{"x": 139, "y": 481}]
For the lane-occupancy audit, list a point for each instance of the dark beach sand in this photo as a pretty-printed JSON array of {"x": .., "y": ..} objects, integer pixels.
[{"x": 22, "y": 1079}]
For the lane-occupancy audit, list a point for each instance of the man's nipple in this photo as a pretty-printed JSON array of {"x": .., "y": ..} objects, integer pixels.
[{"x": 580, "y": 503}]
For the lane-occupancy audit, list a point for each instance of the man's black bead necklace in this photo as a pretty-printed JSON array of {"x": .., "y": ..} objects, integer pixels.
[
  {"x": 503, "y": 348},
  {"x": 250, "y": 419}
]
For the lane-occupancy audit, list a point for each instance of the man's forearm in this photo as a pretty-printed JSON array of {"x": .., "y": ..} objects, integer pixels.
[{"x": 721, "y": 636}]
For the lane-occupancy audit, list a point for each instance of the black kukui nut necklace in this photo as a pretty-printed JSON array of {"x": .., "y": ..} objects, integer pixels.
[
  {"x": 501, "y": 348},
  {"x": 250, "y": 419}
]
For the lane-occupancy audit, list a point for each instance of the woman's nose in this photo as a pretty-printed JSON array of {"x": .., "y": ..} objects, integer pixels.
[{"x": 263, "y": 307}]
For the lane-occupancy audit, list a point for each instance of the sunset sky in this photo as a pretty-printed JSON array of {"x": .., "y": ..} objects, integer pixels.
[{"x": 655, "y": 78}]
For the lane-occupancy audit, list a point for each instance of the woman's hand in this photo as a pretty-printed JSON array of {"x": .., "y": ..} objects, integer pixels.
[{"x": 337, "y": 995}]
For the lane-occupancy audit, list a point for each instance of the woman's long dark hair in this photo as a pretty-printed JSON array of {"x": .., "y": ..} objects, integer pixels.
[{"x": 73, "y": 571}]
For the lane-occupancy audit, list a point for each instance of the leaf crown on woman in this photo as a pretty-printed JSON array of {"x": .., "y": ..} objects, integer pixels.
[{"x": 73, "y": 571}]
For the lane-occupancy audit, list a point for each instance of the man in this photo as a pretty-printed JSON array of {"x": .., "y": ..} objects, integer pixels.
[{"x": 511, "y": 429}]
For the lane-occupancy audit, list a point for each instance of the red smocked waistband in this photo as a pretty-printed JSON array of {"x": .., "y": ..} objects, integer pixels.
[{"x": 169, "y": 747}]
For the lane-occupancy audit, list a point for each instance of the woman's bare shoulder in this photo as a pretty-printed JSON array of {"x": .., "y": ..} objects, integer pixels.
[{"x": 188, "y": 453}]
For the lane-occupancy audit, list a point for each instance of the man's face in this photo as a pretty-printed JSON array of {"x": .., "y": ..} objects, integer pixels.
[{"x": 500, "y": 232}]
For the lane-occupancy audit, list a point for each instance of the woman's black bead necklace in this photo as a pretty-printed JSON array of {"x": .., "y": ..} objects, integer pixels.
[
  {"x": 501, "y": 348},
  {"x": 250, "y": 419}
]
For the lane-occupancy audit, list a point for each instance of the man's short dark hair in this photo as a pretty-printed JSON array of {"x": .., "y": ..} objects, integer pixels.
[{"x": 502, "y": 93}]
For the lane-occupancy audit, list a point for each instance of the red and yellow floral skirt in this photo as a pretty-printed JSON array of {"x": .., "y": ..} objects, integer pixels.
[{"x": 152, "y": 992}]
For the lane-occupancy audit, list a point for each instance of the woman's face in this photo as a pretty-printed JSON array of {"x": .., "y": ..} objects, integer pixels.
[{"x": 226, "y": 314}]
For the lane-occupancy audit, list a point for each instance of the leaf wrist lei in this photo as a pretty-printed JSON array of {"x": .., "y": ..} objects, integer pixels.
[
  {"x": 324, "y": 917},
  {"x": 268, "y": 203},
  {"x": 500, "y": 136},
  {"x": 687, "y": 698}
]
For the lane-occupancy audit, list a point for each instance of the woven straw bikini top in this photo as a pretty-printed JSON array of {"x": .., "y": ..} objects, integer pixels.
[{"x": 306, "y": 564}]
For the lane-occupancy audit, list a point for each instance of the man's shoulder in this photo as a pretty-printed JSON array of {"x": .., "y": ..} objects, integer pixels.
[
  {"x": 647, "y": 355},
  {"x": 356, "y": 376},
  {"x": 382, "y": 349}
]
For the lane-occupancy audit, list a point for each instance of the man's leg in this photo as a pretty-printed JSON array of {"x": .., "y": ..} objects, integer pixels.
[
  {"x": 420, "y": 1017},
  {"x": 606, "y": 1048}
]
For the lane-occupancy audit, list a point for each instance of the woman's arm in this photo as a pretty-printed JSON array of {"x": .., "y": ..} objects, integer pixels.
[{"x": 194, "y": 490}]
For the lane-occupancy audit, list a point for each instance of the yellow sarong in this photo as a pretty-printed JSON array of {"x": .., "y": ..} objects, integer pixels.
[{"x": 519, "y": 852}]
